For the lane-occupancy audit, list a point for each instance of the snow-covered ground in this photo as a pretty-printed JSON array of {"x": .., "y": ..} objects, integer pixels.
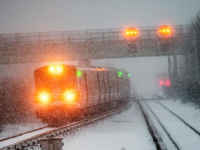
[
  {"x": 11, "y": 130},
  {"x": 22, "y": 137},
  {"x": 180, "y": 133},
  {"x": 125, "y": 131},
  {"x": 188, "y": 112},
  {"x": 128, "y": 130}
]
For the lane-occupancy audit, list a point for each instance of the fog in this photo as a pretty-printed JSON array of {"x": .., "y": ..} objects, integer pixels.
[{"x": 143, "y": 72}]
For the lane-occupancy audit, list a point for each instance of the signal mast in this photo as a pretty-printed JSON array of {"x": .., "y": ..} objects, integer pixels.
[{"x": 131, "y": 34}]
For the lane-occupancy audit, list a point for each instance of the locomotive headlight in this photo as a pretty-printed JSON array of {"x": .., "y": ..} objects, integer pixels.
[
  {"x": 59, "y": 69},
  {"x": 70, "y": 96},
  {"x": 44, "y": 97},
  {"x": 51, "y": 69},
  {"x": 56, "y": 69}
]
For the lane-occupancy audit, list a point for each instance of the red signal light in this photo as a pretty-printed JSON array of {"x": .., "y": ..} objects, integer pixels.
[
  {"x": 161, "y": 82},
  {"x": 167, "y": 83}
]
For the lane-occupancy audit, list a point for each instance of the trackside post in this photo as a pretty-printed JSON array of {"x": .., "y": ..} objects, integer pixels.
[{"x": 51, "y": 143}]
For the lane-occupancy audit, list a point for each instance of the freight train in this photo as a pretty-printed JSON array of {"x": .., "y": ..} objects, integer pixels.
[{"x": 66, "y": 92}]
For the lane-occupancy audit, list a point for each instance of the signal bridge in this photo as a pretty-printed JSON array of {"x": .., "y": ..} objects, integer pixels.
[{"x": 89, "y": 44}]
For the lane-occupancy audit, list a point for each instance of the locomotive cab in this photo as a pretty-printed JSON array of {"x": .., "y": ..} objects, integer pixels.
[{"x": 55, "y": 90}]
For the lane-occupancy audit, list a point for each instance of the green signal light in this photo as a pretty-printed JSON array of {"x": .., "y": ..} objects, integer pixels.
[
  {"x": 79, "y": 73},
  {"x": 120, "y": 73},
  {"x": 129, "y": 75}
]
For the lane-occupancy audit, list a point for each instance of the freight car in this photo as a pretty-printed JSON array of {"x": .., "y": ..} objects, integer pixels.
[{"x": 66, "y": 92}]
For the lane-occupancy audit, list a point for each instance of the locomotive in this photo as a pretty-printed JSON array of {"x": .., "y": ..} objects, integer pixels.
[{"x": 66, "y": 92}]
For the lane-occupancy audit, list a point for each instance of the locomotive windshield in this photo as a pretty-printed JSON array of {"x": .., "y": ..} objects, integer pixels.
[{"x": 54, "y": 83}]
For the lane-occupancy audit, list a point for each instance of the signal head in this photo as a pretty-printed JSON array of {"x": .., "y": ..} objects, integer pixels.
[
  {"x": 165, "y": 31},
  {"x": 167, "y": 83},
  {"x": 161, "y": 82},
  {"x": 131, "y": 32}
]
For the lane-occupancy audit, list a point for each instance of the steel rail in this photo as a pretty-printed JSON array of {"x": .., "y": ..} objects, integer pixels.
[
  {"x": 170, "y": 137},
  {"x": 14, "y": 136},
  {"x": 60, "y": 131},
  {"x": 153, "y": 131},
  {"x": 188, "y": 125}
]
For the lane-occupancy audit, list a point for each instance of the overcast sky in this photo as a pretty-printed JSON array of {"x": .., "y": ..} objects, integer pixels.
[{"x": 62, "y": 15}]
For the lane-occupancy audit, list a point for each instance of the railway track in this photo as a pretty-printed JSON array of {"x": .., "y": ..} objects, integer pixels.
[
  {"x": 34, "y": 141},
  {"x": 183, "y": 129},
  {"x": 164, "y": 128},
  {"x": 20, "y": 137},
  {"x": 182, "y": 120},
  {"x": 153, "y": 131},
  {"x": 17, "y": 135}
]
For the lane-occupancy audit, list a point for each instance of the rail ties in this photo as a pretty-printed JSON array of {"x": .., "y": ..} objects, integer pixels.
[
  {"x": 23, "y": 133},
  {"x": 170, "y": 137},
  {"x": 188, "y": 125},
  {"x": 61, "y": 131},
  {"x": 154, "y": 133}
]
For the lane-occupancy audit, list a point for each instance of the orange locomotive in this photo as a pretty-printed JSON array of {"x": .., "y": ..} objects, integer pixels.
[{"x": 65, "y": 92}]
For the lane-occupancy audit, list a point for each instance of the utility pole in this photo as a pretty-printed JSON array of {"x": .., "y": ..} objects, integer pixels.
[{"x": 169, "y": 68}]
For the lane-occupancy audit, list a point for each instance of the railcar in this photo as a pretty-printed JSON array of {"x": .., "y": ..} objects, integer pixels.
[{"x": 66, "y": 92}]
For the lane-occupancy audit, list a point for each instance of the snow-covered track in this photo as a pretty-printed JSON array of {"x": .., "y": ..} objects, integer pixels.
[
  {"x": 187, "y": 124},
  {"x": 60, "y": 131},
  {"x": 164, "y": 128},
  {"x": 176, "y": 131},
  {"x": 154, "y": 133},
  {"x": 17, "y": 135},
  {"x": 22, "y": 137}
]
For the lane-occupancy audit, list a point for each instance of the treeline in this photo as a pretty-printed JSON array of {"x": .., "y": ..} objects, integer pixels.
[{"x": 188, "y": 87}]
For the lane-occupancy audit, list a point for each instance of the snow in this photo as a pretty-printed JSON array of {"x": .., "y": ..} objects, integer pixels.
[
  {"x": 161, "y": 132},
  {"x": 11, "y": 130},
  {"x": 181, "y": 134},
  {"x": 126, "y": 130},
  {"x": 188, "y": 112},
  {"x": 23, "y": 137},
  {"x": 143, "y": 71}
]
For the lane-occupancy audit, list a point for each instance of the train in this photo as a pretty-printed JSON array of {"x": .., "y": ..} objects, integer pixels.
[{"x": 71, "y": 93}]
